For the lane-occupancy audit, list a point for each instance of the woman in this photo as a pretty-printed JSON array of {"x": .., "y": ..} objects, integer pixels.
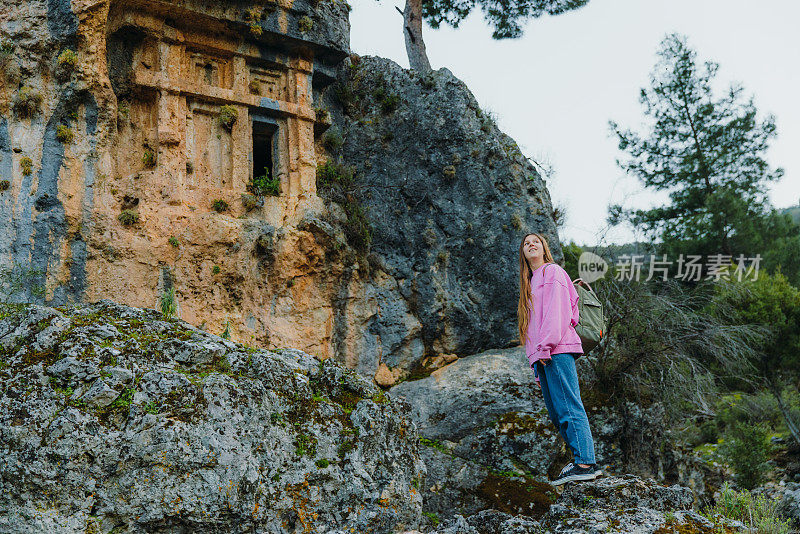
[{"x": 547, "y": 313}]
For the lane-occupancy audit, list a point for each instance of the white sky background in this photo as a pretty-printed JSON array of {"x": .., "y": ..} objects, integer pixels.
[{"x": 555, "y": 89}]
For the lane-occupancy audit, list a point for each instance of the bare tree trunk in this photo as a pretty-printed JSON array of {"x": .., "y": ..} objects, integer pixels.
[{"x": 412, "y": 29}]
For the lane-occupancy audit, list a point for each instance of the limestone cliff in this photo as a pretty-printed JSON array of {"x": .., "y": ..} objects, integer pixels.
[{"x": 147, "y": 145}]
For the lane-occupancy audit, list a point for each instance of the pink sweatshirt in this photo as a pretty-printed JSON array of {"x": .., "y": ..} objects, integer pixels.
[{"x": 551, "y": 326}]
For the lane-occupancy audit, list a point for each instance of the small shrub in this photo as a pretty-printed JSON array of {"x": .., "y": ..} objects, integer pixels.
[
  {"x": 5, "y": 185},
  {"x": 338, "y": 183},
  {"x": 26, "y": 164},
  {"x": 746, "y": 449},
  {"x": 226, "y": 334},
  {"x": 189, "y": 167},
  {"x": 174, "y": 241},
  {"x": 67, "y": 61},
  {"x": 305, "y": 24},
  {"x": 757, "y": 513},
  {"x": 516, "y": 221},
  {"x": 332, "y": 140},
  {"x": 255, "y": 87},
  {"x": 388, "y": 101},
  {"x": 128, "y": 217},
  {"x": 65, "y": 134},
  {"x": 449, "y": 172},
  {"x": 215, "y": 269},
  {"x": 432, "y": 517},
  {"x": 264, "y": 185},
  {"x": 251, "y": 202},
  {"x": 6, "y": 56},
  {"x": 168, "y": 303},
  {"x": 27, "y": 102},
  {"x": 123, "y": 110},
  {"x": 427, "y": 81},
  {"x": 255, "y": 29},
  {"x": 252, "y": 14},
  {"x": 322, "y": 115},
  {"x": 322, "y": 463},
  {"x": 149, "y": 157},
  {"x": 227, "y": 117},
  {"x": 219, "y": 205}
]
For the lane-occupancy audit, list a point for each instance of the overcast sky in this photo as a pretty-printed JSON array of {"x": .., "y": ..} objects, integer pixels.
[{"x": 555, "y": 89}]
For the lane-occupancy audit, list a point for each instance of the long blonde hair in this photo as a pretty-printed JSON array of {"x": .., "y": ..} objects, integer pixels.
[{"x": 525, "y": 304}]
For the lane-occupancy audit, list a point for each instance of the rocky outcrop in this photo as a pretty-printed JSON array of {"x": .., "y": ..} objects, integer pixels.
[
  {"x": 112, "y": 418},
  {"x": 489, "y": 441},
  {"x": 130, "y": 134},
  {"x": 609, "y": 504},
  {"x": 115, "y": 419},
  {"x": 449, "y": 198}
]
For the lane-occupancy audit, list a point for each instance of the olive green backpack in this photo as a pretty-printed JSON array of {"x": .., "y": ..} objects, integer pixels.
[{"x": 591, "y": 326}]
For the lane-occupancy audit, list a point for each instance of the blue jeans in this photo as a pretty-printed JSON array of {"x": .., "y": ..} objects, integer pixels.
[{"x": 562, "y": 396}]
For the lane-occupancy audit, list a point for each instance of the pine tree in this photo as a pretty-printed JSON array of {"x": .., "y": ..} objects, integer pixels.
[{"x": 708, "y": 152}]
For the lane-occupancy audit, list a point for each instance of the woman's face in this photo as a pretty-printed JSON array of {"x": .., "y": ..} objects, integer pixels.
[{"x": 533, "y": 249}]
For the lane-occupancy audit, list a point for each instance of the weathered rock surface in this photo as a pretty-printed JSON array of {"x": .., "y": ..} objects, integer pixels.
[
  {"x": 450, "y": 197},
  {"x": 113, "y": 418},
  {"x": 489, "y": 440},
  {"x": 129, "y": 121},
  {"x": 609, "y": 504}
]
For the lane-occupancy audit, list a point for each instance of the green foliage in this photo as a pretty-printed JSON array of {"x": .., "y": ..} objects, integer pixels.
[
  {"x": 322, "y": 463},
  {"x": 746, "y": 449},
  {"x": 6, "y": 47},
  {"x": 215, "y": 269},
  {"x": 227, "y": 116},
  {"x": 65, "y": 134},
  {"x": 149, "y": 157},
  {"x": 264, "y": 185},
  {"x": 255, "y": 29},
  {"x": 250, "y": 202},
  {"x": 660, "y": 347},
  {"x": 322, "y": 115},
  {"x": 332, "y": 140},
  {"x": 174, "y": 241},
  {"x": 219, "y": 205},
  {"x": 772, "y": 303},
  {"x": 339, "y": 183},
  {"x": 66, "y": 63},
  {"x": 26, "y": 164},
  {"x": 572, "y": 253},
  {"x": 432, "y": 517},
  {"x": 387, "y": 101},
  {"x": 168, "y": 303},
  {"x": 226, "y": 334},
  {"x": 758, "y": 513},
  {"x": 709, "y": 153},
  {"x": 306, "y": 445},
  {"x": 5, "y": 185},
  {"x": 507, "y": 22},
  {"x": 253, "y": 14},
  {"x": 304, "y": 24},
  {"x": 128, "y": 217},
  {"x": 151, "y": 408},
  {"x": 27, "y": 102}
]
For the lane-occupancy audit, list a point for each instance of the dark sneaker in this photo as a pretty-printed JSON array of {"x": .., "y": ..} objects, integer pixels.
[{"x": 572, "y": 472}]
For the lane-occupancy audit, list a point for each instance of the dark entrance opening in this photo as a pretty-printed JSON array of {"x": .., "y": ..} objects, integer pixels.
[{"x": 262, "y": 149}]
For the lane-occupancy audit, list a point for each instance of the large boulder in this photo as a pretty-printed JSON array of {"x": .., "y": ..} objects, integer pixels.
[
  {"x": 448, "y": 197},
  {"x": 489, "y": 440},
  {"x": 112, "y": 417}
]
